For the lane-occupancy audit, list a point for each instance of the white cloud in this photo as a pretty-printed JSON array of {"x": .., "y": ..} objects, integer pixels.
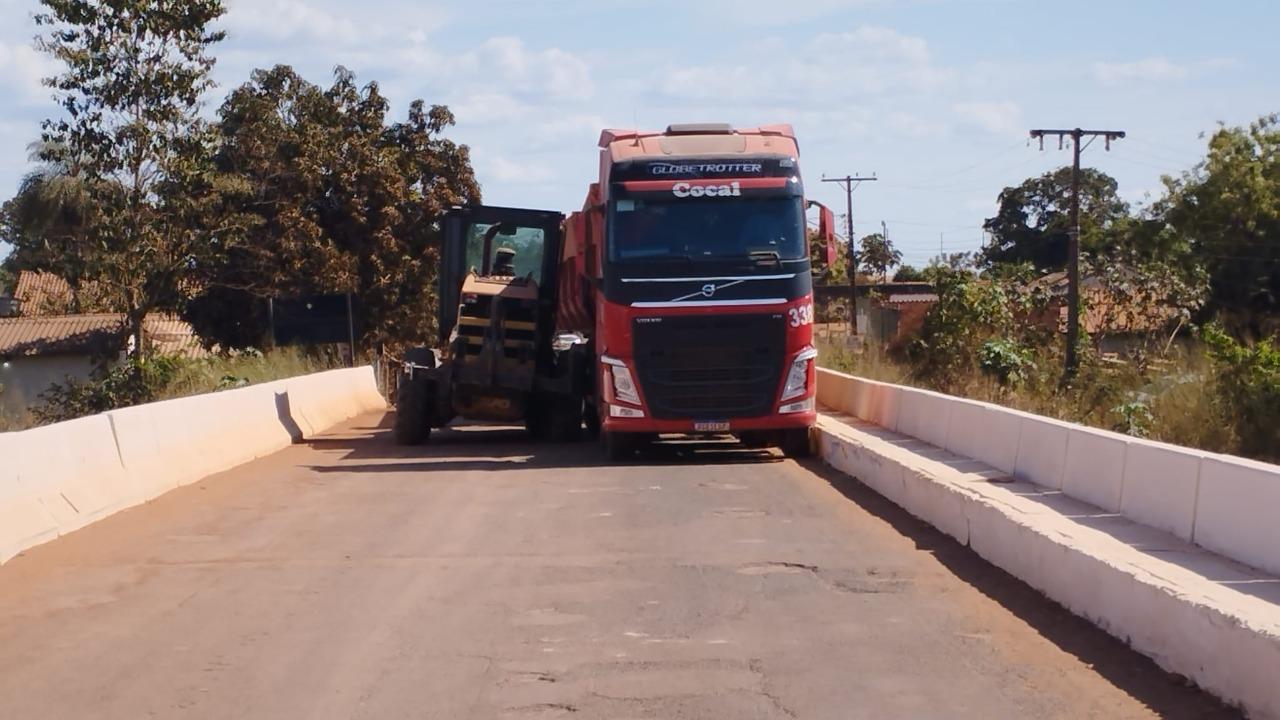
[
  {"x": 831, "y": 67},
  {"x": 1001, "y": 118},
  {"x": 517, "y": 172},
  {"x": 22, "y": 70},
  {"x": 508, "y": 62},
  {"x": 331, "y": 22},
  {"x": 1155, "y": 69},
  {"x": 768, "y": 12},
  {"x": 487, "y": 109}
]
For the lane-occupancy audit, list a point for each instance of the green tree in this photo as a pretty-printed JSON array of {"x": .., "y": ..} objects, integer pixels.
[
  {"x": 878, "y": 255},
  {"x": 980, "y": 325},
  {"x": 909, "y": 273},
  {"x": 131, "y": 84},
  {"x": 337, "y": 201},
  {"x": 1226, "y": 210},
  {"x": 48, "y": 223},
  {"x": 1247, "y": 385},
  {"x": 1033, "y": 219}
]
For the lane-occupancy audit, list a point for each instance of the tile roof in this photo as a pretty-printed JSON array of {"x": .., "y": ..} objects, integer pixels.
[
  {"x": 172, "y": 336},
  {"x": 59, "y": 335},
  {"x": 88, "y": 334},
  {"x": 912, "y": 298},
  {"x": 44, "y": 293}
]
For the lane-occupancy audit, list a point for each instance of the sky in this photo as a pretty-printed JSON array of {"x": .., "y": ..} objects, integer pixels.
[{"x": 934, "y": 97}]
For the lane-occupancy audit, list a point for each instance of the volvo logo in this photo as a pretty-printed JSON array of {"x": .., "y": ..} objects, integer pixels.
[{"x": 709, "y": 290}]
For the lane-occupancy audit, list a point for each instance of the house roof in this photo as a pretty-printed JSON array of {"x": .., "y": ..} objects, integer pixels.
[
  {"x": 44, "y": 293},
  {"x": 58, "y": 335},
  {"x": 912, "y": 298},
  {"x": 89, "y": 334},
  {"x": 173, "y": 336}
]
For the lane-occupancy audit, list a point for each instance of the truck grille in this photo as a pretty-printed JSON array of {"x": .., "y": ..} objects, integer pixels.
[{"x": 710, "y": 368}]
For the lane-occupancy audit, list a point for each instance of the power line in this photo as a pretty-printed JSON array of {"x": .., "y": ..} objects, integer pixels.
[
  {"x": 1073, "y": 241},
  {"x": 850, "y": 183}
]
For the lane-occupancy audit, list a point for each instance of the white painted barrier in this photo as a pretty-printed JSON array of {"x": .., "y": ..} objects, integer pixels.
[
  {"x": 1238, "y": 511},
  {"x": 1042, "y": 450},
  {"x": 173, "y": 443},
  {"x": 24, "y": 522},
  {"x": 1161, "y": 483},
  {"x": 320, "y": 401},
  {"x": 1223, "y": 503},
  {"x": 59, "y": 478},
  {"x": 1193, "y": 612},
  {"x": 74, "y": 469},
  {"x": 1094, "y": 470},
  {"x": 924, "y": 415}
]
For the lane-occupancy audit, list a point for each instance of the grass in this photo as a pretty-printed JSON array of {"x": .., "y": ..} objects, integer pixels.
[
  {"x": 187, "y": 377},
  {"x": 196, "y": 377},
  {"x": 1173, "y": 401}
]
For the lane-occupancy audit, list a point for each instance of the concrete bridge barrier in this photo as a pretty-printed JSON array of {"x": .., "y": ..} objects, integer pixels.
[
  {"x": 59, "y": 478},
  {"x": 1172, "y": 550}
]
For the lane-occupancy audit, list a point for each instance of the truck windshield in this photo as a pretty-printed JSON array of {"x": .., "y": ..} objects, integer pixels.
[
  {"x": 643, "y": 229},
  {"x": 522, "y": 246}
]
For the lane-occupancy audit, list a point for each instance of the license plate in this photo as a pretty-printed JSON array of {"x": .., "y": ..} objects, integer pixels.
[{"x": 711, "y": 426}]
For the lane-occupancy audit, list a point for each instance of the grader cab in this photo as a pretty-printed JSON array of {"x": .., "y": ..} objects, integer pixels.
[{"x": 497, "y": 359}]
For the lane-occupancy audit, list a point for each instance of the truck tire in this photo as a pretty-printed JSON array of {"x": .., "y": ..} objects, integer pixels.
[
  {"x": 797, "y": 444},
  {"x": 566, "y": 418},
  {"x": 537, "y": 416},
  {"x": 591, "y": 418},
  {"x": 413, "y": 411}
]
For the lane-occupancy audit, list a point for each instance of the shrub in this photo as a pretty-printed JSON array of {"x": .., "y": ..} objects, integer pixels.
[
  {"x": 133, "y": 382},
  {"x": 1007, "y": 362},
  {"x": 1247, "y": 387}
]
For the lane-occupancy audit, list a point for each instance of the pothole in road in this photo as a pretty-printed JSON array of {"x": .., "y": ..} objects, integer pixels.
[{"x": 774, "y": 568}]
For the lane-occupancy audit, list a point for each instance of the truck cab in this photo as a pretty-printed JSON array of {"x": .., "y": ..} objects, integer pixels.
[{"x": 698, "y": 248}]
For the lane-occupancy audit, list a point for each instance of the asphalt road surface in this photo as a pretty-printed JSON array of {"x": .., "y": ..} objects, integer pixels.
[{"x": 485, "y": 577}]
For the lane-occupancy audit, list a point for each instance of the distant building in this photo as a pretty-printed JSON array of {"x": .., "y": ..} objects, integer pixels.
[
  {"x": 40, "y": 346},
  {"x": 1114, "y": 323},
  {"x": 44, "y": 293},
  {"x": 36, "y": 352},
  {"x": 889, "y": 314},
  {"x": 896, "y": 319}
]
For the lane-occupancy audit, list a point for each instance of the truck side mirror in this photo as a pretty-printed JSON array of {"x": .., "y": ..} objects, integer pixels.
[{"x": 827, "y": 231}]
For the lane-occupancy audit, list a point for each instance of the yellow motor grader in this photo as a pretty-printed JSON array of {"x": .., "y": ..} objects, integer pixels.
[{"x": 500, "y": 359}]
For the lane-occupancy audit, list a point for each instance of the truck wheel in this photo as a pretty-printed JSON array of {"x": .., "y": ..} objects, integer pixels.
[
  {"x": 413, "y": 403},
  {"x": 618, "y": 446},
  {"x": 796, "y": 443},
  {"x": 538, "y": 416},
  {"x": 566, "y": 418},
  {"x": 591, "y": 418}
]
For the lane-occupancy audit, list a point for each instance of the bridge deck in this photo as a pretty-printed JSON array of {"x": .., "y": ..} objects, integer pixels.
[{"x": 486, "y": 577}]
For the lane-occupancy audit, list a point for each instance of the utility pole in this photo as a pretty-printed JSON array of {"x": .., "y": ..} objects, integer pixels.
[
  {"x": 1073, "y": 236},
  {"x": 849, "y": 182}
]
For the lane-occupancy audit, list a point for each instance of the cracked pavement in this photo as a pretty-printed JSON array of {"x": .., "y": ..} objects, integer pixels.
[{"x": 485, "y": 577}]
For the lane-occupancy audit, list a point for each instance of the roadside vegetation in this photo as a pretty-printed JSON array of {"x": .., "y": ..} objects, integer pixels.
[
  {"x": 146, "y": 203},
  {"x": 1183, "y": 297},
  {"x": 164, "y": 377}
]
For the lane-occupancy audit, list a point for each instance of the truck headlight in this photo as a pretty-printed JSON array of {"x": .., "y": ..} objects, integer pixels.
[
  {"x": 624, "y": 385},
  {"x": 798, "y": 376}
]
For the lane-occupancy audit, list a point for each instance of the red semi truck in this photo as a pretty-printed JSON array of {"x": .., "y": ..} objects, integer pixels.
[
  {"x": 689, "y": 270},
  {"x": 678, "y": 300}
]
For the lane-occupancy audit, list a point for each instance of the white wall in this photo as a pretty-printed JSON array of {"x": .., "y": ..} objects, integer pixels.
[
  {"x": 1225, "y": 504},
  {"x": 58, "y": 478},
  {"x": 26, "y": 378}
]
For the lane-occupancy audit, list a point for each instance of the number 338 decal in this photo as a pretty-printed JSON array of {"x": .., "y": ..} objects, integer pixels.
[{"x": 801, "y": 316}]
